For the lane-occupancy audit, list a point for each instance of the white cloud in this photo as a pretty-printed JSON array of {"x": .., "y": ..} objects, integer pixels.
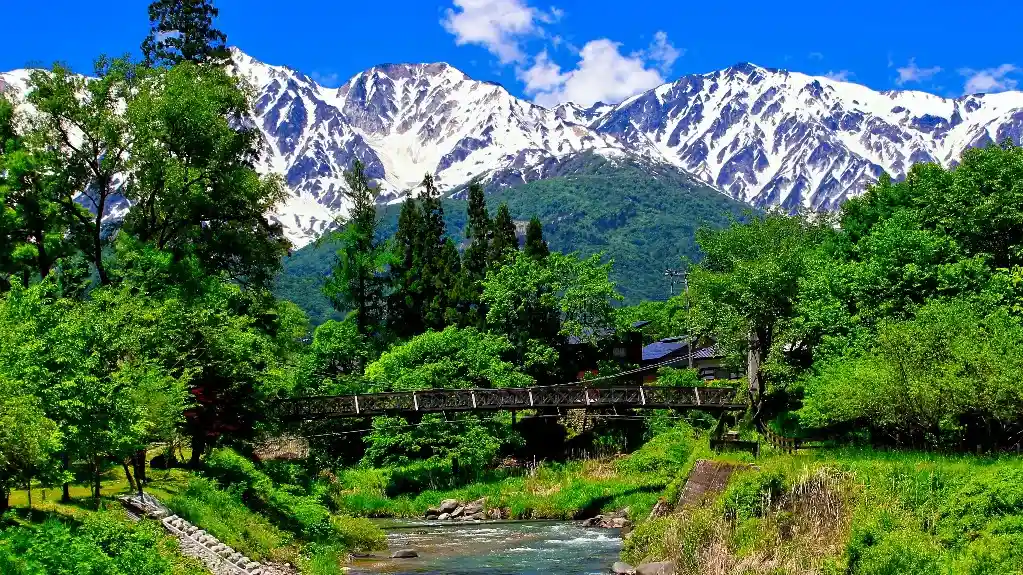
[
  {"x": 913, "y": 73},
  {"x": 497, "y": 25},
  {"x": 816, "y": 56},
  {"x": 662, "y": 52},
  {"x": 603, "y": 74},
  {"x": 839, "y": 76},
  {"x": 990, "y": 80}
]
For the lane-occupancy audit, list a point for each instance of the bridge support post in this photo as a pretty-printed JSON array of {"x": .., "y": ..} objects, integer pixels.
[{"x": 513, "y": 418}]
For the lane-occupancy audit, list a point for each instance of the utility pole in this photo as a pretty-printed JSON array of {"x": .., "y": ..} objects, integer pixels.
[{"x": 671, "y": 274}]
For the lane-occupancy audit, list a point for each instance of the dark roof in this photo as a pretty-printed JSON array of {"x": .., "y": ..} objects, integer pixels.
[
  {"x": 669, "y": 345},
  {"x": 660, "y": 349},
  {"x": 601, "y": 333},
  {"x": 640, "y": 323},
  {"x": 707, "y": 352}
]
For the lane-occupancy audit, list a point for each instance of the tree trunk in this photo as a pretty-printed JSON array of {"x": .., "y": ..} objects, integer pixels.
[
  {"x": 5, "y": 500},
  {"x": 127, "y": 474},
  {"x": 139, "y": 461},
  {"x": 96, "y": 467},
  {"x": 756, "y": 384},
  {"x": 65, "y": 495},
  {"x": 198, "y": 446}
]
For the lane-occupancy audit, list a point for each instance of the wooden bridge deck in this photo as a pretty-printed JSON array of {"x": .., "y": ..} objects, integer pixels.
[{"x": 508, "y": 399}]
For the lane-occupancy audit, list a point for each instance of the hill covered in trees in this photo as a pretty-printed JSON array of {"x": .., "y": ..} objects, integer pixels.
[{"x": 643, "y": 216}]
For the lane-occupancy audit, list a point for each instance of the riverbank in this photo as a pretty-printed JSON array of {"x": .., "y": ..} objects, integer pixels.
[
  {"x": 849, "y": 511},
  {"x": 815, "y": 512}
]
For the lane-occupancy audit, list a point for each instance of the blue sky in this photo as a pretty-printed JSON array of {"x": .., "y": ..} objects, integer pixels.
[{"x": 580, "y": 50}]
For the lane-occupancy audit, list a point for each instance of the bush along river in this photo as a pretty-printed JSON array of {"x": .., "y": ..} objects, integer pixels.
[{"x": 494, "y": 547}]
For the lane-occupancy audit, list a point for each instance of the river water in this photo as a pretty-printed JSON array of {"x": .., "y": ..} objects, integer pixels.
[{"x": 496, "y": 548}]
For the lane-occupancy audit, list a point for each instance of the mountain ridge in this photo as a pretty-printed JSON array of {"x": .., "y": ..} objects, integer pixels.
[{"x": 764, "y": 136}]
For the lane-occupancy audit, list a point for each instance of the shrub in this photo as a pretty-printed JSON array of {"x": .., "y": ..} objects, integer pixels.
[
  {"x": 286, "y": 506},
  {"x": 751, "y": 493},
  {"x": 669, "y": 451}
]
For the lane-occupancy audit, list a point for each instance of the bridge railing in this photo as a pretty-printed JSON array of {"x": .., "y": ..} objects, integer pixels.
[{"x": 494, "y": 399}]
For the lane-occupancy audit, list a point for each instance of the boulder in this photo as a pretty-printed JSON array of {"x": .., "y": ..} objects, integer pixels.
[
  {"x": 494, "y": 513},
  {"x": 448, "y": 505},
  {"x": 656, "y": 568},
  {"x": 593, "y": 521},
  {"x": 404, "y": 554},
  {"x": 458, "y": 512},
  {"x": 443, "y": 517},
  {"x": 620, "y": 568},
  {"x": 431, "y": 515},
  {"x": 623, "y": 512},
  {"x": 620, "y": 522},
  {"x": 433, "y": 511},
  {"x": 476, "y": 516},
  {"x": 474, "y": 507}
]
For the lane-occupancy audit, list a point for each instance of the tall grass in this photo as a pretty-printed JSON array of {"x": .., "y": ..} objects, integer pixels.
[{"x": 853, "y": 511}]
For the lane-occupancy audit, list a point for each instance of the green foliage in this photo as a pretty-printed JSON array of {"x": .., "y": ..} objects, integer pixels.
[
  {"x": 301, "y": 514},
  {"x": 101, "y": 545},
  {"x": 666, "y": 452},
  {"x": 948, "y": 373},
  {"x": 356, "y": 283},
  {"x": 454, "y": 358},
  {"x": 195, "y": 191},
  {"x": 228, "y": 519},
  {"x": 28, "y": 440},
  {"x": 746, "y": 287},
  {"x": 643, "y": 217},
  {"x": 750, "y": 494},
  {"x": 182, "y": 31}
]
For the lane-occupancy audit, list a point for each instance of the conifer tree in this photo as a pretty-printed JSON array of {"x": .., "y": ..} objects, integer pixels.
[
  {"x": 503, "y": 242},
  {"x": 355, "y": 284},
  {"x": 182, "y": 30},
  {"x": 536, "y": 246},
  {"x": 439, "y": 272},
  {"x": 404, "y": 278},
  {"x": 478, "y": 233},
  {"x": 468, "y": 309}
]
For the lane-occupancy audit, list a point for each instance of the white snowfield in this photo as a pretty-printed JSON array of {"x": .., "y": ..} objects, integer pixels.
[{"x": 767, "y": 137}]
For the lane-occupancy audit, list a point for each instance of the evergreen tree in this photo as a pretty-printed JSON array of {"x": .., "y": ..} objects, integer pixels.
[
  {"x": 478, "y": 233},
  {"x": 536, "y": 246},
  {"x": 404, "y": 277},
  {"x": 504, "y": 242},
  {"x": 439, "y": 265},
  {"x": 182, "y": 30},
  {"x": 465, "y": 297},
  {"x": 356, "y": 285}
]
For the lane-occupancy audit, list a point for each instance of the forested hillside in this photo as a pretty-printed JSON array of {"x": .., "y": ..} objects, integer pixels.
[{"x": 643, "y": 216}]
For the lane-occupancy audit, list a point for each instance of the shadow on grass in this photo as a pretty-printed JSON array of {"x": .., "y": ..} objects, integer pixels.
[{"x": 594, "y": 507}]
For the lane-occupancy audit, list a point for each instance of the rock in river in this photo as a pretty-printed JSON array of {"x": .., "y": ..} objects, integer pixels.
[
  {"x": 657, "y": 568},
  {"x": 620, "y": 568},
  {"x": 404, "y": 554},
  {"x": 448, "y": 505}
]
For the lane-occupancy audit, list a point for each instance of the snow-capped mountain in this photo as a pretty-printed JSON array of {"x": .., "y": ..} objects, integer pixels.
[
  {"x": 401, "y": 121},
  {"x": 764, "y": 136},
  {"x": 772, "y": 137}
]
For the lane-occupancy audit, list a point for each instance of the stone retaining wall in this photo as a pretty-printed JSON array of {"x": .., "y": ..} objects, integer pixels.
[{"x": 217, "y": 557}]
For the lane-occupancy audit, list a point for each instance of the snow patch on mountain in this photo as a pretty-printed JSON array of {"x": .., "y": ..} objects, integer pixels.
[{"x": 765, "y": 136}]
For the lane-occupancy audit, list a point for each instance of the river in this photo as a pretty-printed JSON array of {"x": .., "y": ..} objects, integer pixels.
[{"x": 496, "y": 548}]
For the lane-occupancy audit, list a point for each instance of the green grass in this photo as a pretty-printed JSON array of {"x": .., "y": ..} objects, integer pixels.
[
  {"x": 228, "y": 519},
  {"x": 853, "y": 511},
  {"x": 552, "y": 491}
]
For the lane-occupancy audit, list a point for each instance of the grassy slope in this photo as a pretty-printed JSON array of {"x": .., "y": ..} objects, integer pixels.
[
  {"x": 853, "y": 512},
  {"x": 645, "y": 217}
]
